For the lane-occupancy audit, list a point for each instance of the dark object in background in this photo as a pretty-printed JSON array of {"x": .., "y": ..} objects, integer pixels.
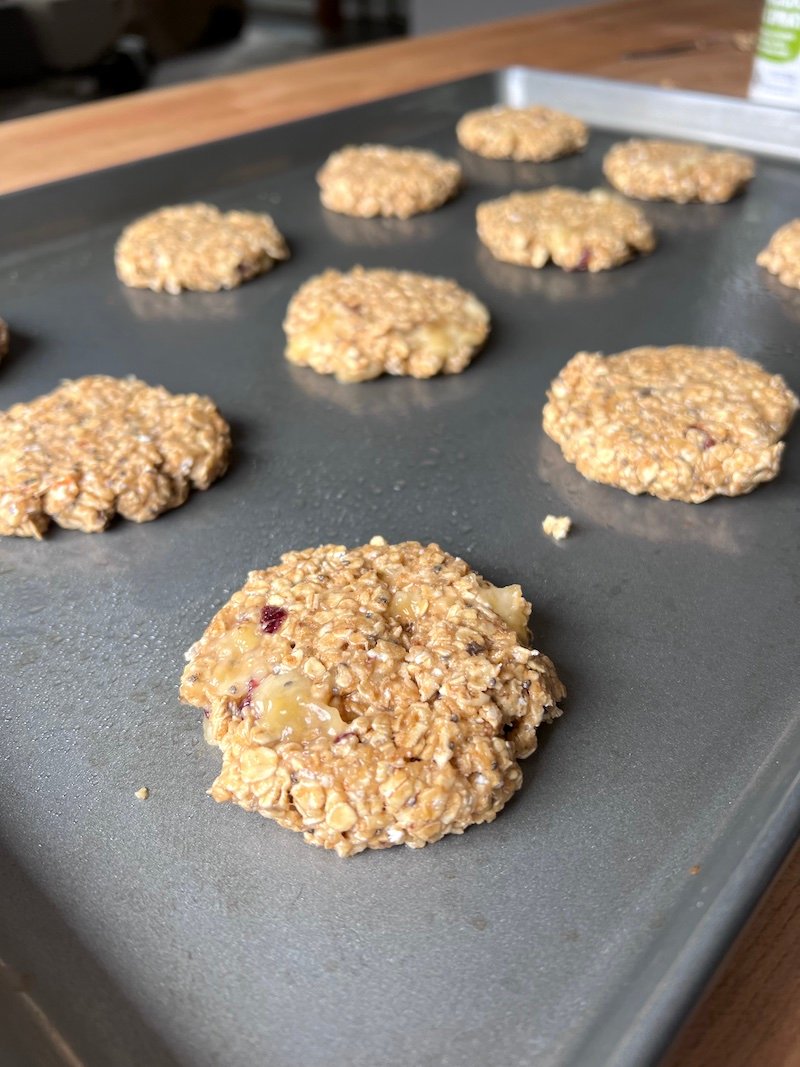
[
  {"x": 125, "y": 68},
  {"x": 114, "y": 41},
  {"x": 161, "y": 42},
  {"x": 59, "y": 52},
  {"x": 173, "y": 26},
  {"x": 20, "y": 58}
]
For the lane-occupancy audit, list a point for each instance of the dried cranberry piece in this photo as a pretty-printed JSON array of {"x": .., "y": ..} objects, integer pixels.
[
  {"x": 272, "y": 618},
  {"x": 708, "y": 440},
  {"x": 247, "y": 699},
  {"x": 585, "y": 260}
]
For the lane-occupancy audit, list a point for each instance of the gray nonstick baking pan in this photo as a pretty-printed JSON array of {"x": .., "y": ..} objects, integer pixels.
[{"x": 575, "y": 931}]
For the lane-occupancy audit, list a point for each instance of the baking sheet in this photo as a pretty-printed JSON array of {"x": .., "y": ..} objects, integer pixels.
[{"x": 569, "y": 932}]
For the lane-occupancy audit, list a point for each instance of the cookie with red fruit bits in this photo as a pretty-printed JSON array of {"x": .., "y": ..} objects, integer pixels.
[
  {"x": 679, "y": 423},
  {"x": 578, "y": 231},
  {"x": 371, "y": 696}
]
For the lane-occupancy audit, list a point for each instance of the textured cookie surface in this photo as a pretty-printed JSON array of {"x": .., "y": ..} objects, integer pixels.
[
  {"x": 371, "y": 697},
  {"x": 536, "y": 134},
  {"x": 363, "y": 323},
  {"x": 578, "y": 231},
  {"x": 99, "y": 446},
  {"x": 781, "y": 257},
  {"x": 197, "y": 246},
  {"x": 668, "y": 170},
  {"x": 369, "y": 180},
  {"x": 680, "y": 423}
]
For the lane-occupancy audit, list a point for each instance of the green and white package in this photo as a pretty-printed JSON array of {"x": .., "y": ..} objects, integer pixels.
[{"x": 776, "y": 70}]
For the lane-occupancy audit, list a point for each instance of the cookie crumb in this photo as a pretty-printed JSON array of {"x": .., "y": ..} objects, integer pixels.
[
  {"x": 745, "y": 41},
  {"x": 143, "y": 793},
  {"x": 695, "y": 869},
  {"x": 557, "y": 526}
]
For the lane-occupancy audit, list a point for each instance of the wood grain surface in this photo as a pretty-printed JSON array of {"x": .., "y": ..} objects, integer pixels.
[
  {"x": 693, "y": 44},
  {"x": 750, "y": 1017}
]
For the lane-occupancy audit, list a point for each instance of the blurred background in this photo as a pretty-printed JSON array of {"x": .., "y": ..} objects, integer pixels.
[{"x": 54, "y": 53}]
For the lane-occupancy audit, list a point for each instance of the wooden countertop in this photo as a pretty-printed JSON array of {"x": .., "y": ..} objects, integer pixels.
[
  {"x": 751, "y": 1015},
  {"x": 694, "y": 44}
]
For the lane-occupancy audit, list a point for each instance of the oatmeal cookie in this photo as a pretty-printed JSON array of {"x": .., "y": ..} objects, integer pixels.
[
  {"x": 197, "y": 246},
  {"x": 371, "y": 179},
  {"x": 579, "y": 231},
  {"x": 781, "y": 257},
  {"x": 535, "y": 134},
  {"x": 365, "y": 323},
  {"x": 371, "y": 697},
  {"x": 667, "y": 170},
  {"x": 680, "y": 423},
  {"x": 99, "y": 446}
]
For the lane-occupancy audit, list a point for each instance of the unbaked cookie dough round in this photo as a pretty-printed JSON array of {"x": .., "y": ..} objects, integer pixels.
[
  {"x": 679, "y": 423},
  {"x": 579, "y": 231},
  {"x": 99, "y": 446},
  {"x": 365, "y": 323},
  {"x": 369, "y": 180},
  {"x": 668, "y": 170},
  {"x": 534, "y": 134},
  {"x": 781, "y": 257},
  {"x": 199, "y": 247},
  {"x": 372, "y": 696}
]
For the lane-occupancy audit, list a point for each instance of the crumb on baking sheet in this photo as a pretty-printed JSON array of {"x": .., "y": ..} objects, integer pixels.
[
  {"x": 695, "y": 869},
  {"x": 557, "y": 526},
  {"x": 143, "y": 793}
]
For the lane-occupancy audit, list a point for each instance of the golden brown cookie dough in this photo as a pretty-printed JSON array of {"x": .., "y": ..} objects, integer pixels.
[
  {"x": 579, "y": 231},
  {"x": 668, "y": 170},
  {"x": 535, "y": 134},
  {"x": 369, "y": 180},
  {"x": 371, "y": 697},
  {"x": 680, "y": 423},
  {"x": 781, "y": 257},
  {"x": 365, "y": 323},
  {"x": 199, "y": 247},
  {"x": 99, "y": 446}
]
